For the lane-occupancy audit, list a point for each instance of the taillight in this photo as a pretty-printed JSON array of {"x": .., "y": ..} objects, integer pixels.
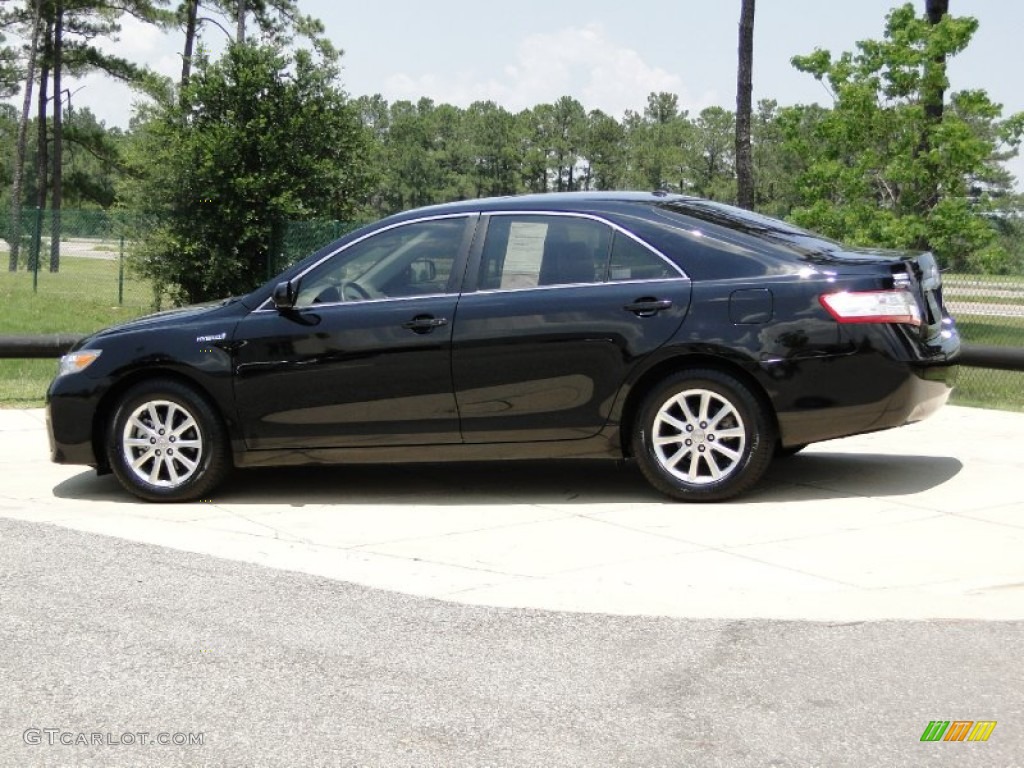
[{"x": 896, "y": 306}]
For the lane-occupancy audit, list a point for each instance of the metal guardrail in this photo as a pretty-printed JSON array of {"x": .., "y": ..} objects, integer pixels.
[
  {"x": 55, "y": 345},
  {"x": 26, "y": 347},
  {"x": 986, "y": 356}
]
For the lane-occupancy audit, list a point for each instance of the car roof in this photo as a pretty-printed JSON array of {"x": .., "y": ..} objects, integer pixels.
[{"x": 550, "y": 201}]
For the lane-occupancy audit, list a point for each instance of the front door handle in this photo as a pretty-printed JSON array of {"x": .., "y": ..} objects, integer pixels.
[
  {"x": 425, "y": 323},
  {"x": 648, "y": 306}
]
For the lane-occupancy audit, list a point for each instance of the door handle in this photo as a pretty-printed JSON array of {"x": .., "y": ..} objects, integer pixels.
[
  {"x": 648, "y": 306},
  {"x": 425, "y": 323}
]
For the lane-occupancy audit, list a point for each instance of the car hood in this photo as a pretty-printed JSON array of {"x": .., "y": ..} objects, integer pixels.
[{"x": 167, "y": 318}]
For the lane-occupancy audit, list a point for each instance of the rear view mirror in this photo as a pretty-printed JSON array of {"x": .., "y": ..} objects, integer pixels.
[{"x": 284, "y": 295}]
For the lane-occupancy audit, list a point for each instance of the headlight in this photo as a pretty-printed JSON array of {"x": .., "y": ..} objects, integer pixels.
[{"x": 73, "y": 362}]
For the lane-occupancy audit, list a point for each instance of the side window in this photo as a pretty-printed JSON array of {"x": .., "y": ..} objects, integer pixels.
[
  {"x": 632, "y": 261},
  {"x": 531, "y": 251},
  {"x": 410, "y": 260}
]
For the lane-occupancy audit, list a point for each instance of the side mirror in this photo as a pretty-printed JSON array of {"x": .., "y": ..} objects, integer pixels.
[{"x": 285, "y": 295}]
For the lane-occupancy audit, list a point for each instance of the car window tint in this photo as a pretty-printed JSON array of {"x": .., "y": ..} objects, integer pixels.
[
  {"x": 631, "y": 260},
  {"x": 410, "y": 260},
  {"x": 531, "y": 251}
]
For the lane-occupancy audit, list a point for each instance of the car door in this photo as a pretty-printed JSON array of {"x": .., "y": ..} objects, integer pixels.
[
  {"x": 364, "y": 357},
  {"x": 564, "y": 307}
]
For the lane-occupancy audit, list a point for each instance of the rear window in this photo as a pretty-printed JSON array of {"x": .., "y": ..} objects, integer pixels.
[
  {"x": 632, "y": 261},
  {"x": 712, "y": 241},
  {"x": 754, "y": 224}
]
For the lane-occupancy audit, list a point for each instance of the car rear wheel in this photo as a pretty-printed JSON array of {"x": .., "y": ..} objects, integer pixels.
[
  {"x": 166, "y": 443},
  {"x": 703, "y": 436}
]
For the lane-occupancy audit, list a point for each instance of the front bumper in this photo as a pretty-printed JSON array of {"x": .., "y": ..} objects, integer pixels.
[{"x": 70, "y": 418}]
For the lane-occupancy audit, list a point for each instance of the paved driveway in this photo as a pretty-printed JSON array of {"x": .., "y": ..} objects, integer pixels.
[{"x": 922, "y": 522}]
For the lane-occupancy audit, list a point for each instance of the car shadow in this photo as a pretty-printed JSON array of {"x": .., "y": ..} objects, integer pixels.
[{"x": 810, "y": 476}]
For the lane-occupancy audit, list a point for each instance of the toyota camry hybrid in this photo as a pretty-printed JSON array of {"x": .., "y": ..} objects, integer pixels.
[{"x": 698, "y": 339}]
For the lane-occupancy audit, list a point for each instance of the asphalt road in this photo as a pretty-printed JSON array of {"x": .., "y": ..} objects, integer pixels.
[{"x": 273, "y": 668}]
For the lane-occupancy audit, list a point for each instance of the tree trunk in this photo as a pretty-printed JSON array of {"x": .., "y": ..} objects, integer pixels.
[
  {"x": 935, "y": 74},
  {"x": 744, "y": 91},
  {"x": 42, "y": 152},
  {"x": 190, "y": 41},
  {"x": 933, "y": 94},
  {"x": 19, "y": 157},
  {"x": 58, "y": 136},
  {"x": 240, "y": 32}
]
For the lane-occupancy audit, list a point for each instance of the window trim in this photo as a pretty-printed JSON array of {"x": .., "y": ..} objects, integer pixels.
[
  {"x": 458, "y": 265},
  {"x": 472, "y": 284}
]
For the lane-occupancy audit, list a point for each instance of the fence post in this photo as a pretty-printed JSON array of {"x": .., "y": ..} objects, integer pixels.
[
  {"x": 120, "y": 274},
  {"x": 37, "y": 246}
]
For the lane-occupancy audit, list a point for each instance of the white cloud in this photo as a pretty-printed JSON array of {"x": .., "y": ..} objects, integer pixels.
[
  {"x": 137, "y": 40},
  {"x": 112, "y": 101},
  {"x": 577, "y": 61}
]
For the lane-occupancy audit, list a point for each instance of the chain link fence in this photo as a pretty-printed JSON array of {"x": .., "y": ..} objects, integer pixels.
[
  {"x": 989, "y": 310},
  {"x": 95, "y": 248},
  {"x": 93, "y": 256}
]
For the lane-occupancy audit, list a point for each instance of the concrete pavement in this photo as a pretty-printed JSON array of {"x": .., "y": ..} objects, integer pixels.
[{"x": 921, "y": 522}]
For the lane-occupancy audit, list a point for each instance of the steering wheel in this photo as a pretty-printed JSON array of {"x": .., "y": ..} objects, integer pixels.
[{"x": 353, "y": 291}]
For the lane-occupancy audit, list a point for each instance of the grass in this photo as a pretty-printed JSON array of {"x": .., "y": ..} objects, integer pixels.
[
  {"x": 983, "y": 388},
  {"x": 83, "y": 297},
  {"x": 998, "y": 331},
  {"x": 955, "y": 278},
  {"x": 1008, "y": 300},
  {"x": 987, "y": 388}
]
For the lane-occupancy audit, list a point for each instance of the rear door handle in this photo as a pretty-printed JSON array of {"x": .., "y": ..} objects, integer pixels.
[
  {"x": 648, "y": 306},
  {"x": 425, "y": 323}
]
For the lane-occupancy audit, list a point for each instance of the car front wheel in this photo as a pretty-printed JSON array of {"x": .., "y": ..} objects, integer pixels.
[
  {"x": 166, "y": 443},
  {"x": 703, "y": 436}
]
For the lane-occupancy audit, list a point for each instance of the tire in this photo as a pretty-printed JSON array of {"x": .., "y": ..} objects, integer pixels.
[
  {"x": 166, "y": 442},
  {"x": 731, "y": 437}
]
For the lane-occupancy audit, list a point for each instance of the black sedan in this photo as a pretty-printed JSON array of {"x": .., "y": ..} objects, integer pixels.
[{"x": 699, "y": 339}]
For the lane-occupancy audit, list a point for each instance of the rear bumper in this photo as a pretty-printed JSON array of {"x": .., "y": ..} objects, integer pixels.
[{"x": 920, "y": 394}]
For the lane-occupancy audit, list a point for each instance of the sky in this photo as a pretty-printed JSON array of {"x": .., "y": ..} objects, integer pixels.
[{"x": 606, "y": 53}]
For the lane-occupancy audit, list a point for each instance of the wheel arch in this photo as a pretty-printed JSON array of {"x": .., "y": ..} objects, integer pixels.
[
  {"x": 107, "y": 405},
  {"x": 650, "y": 378}
]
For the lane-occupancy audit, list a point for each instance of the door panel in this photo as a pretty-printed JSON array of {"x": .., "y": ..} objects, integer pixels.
[
  {"x": 546, "y": 364},
  {"x": 569, "y": 305},
  {"x": 346, "y": 375},
  {"x": 364, "y": 357}
]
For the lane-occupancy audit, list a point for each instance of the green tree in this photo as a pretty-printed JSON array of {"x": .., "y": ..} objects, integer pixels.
[
  {"x": 92, "y": 161},
  {"x": 267, "y": 136},
  {"x": 560, "y": 132},
  {"x": 783, "y": 142},
  {"x": 413, "y": 163},
  {"x": 491, "y": 131},
  {"x": 533, "y": 148},
  {"x": 713, "y": 161},
  {"x": 278, "y": 21},
  {"x": 888, "y": 165},
  {"x": 10, "y": 74},
  {"x": 33, "y": 19},
  {"x": 375, "y": 115},
  {"x": 62, "y": 35},
  {"x": 660, "y": 143},
  {"x": 605, "y": 151}
]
